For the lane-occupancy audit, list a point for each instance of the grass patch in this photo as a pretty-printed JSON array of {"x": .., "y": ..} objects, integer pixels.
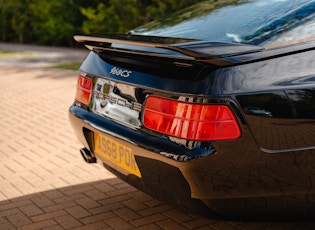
[
  {"x": 69, "y": 66},
  {"x": 5, "y": 54}
]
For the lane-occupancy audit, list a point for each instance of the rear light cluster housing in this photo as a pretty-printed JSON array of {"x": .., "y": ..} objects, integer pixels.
[
  {"x": 84, "y": 90},
  {"x": 201, "y": 122},
  {"x": 191, "y": 121}
]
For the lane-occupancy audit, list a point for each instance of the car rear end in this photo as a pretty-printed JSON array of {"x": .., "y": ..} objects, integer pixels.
[
  {"x": 200, "y": 124},
  {"x": 149, "y": 127}
]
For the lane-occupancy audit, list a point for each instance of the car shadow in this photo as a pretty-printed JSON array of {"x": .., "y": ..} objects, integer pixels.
[{"x": 112, "y": 204}]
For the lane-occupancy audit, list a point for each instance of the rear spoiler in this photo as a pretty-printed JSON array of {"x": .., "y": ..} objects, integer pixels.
[{"x": 184, "y": 51}]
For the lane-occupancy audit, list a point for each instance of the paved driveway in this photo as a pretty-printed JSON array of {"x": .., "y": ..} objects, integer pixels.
[{"x": 44, "y": 183}]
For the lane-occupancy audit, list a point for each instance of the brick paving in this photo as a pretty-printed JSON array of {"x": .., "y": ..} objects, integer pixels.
[{"x": 44, "y": 183}]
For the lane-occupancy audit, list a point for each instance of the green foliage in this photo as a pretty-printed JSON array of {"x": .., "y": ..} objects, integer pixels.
[
  {"x": 15, "y": 19},
  {"x": 69, "y": 66},
  {"x": 111, "y": 17},
  {"x": 119, "y": 16},
  {"x": 59, "y": 27},
  {"x": 39, "y": 21},
  {"x": 55, "y": 22},
  {"x": 159, "y": 8}
]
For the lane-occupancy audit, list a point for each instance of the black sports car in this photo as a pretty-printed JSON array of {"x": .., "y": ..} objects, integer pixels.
[{"x": 211, "y": 108}]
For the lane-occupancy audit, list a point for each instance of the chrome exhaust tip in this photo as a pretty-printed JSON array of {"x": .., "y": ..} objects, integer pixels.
[{"x": 87, "y": 155}]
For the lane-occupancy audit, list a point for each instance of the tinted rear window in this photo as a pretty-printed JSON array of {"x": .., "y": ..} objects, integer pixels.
[{"x": 257, "y": 22}]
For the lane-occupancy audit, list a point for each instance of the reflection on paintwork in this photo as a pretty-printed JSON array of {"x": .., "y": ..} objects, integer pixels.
[
  {"x": 257, "y": 111},
  {"x": 296, "y": 70},
  {"x": 291, "y": 118},
  {"x": 255, "y": 22}
]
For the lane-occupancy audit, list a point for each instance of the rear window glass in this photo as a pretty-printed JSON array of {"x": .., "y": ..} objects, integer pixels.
[
  {"x": 301, "y": 33},
  {"x": 257, "y": 22}
]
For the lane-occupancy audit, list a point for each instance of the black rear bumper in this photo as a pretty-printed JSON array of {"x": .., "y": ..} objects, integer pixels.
[{"x": 236, "y": 170}]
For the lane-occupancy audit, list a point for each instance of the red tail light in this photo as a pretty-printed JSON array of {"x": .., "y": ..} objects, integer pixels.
[
  {"x": 84, "y": 90},
  {"x": 190, "y": 121}
]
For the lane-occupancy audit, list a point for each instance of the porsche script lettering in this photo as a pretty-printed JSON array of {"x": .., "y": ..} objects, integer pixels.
[{"x": 120, "y": 72}]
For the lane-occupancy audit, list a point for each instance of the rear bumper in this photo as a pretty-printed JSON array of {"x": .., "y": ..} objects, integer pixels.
[
  {"x": 161, "y": 176},
  {"x": 236, "y": 169}
]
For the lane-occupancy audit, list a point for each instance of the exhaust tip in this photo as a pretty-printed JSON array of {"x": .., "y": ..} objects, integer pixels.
[{"x": 87, "y": 155}]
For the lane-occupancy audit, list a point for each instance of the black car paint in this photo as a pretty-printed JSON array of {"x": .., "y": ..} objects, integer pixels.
[
  {"x": 285, "y": 76},
  {"x": 253, "y": 166},
  {"x": 271, "y": 161}
]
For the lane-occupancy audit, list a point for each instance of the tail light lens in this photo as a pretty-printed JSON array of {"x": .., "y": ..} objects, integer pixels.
[
  {"x": 190, "y": 121},
  {"x": 84, "y": 90}
]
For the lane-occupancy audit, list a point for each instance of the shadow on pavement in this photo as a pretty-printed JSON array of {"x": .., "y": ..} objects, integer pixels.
[
  {"x": 38, "y": 148},
  {"x": 111, "y": 204},
  {"x": 107, "y": 204}
]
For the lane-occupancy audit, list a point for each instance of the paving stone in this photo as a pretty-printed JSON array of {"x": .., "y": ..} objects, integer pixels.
[
  {"x": 55, "y": 227},
  {"x": 197, "y": 223},
  {"x": 127, "y": 214},
  {"x": 67, "y": 221},
  {"x": 70, "y": 191},
  {"x": 42, "y": 201},
  {"x": 178, "y": 216},
  {"x": 48, "y": 215},
  {"x": 87, "y": 203},
  {"x": 104, "y": 187},
  {"x": 78, "y": 212},
  {"x": 157, "y": 209},
  {"x": 134, "y": 204},
  {"x": 7, "y": 226},
  {"x": 19, "y": 219},
  {"x": 151, "y": 202},
  {"x": 118, "y": 223},
  {"x": 170, "y": 224},
  {"x": 31, "y": 210},
  {"x": 114, "y": 199},
  {"x": 45, "y": 184},
  {"x": 126, "y": 190},
  {"x": 96, "y": 195},
  {"x": 97, "y": 225},
  {"x": 54, "y": 194},
  {"x": 61, "y": 206},
  {"x": 208, "y": 228},
  {"x": 147, "y": 220},
  {"x": 142, "y": 197},
  {"x": 98, "y": 217},
  {"x": 106, "y": 208},
  {"x": 40, "y": 225},
  {"x": 150, "y": 227}
]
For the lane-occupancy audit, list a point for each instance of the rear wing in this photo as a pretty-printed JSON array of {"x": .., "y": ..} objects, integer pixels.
[{"x": 179, "y": 51}]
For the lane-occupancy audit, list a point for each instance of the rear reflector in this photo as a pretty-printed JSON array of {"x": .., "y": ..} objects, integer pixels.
[
  {"x": 190, "y": 121},
  {"x": 84, "y": 90}
]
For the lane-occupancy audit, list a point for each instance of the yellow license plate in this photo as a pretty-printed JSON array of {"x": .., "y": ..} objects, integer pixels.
[{"x": 116, "y": 153}]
